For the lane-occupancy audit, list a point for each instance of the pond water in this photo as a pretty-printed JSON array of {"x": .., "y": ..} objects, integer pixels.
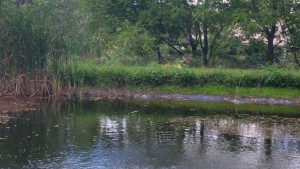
[{"x": 152, "y": 134}]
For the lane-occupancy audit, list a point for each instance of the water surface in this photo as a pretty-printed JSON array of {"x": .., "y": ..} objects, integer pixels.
[{"x": 145, "y": 134}]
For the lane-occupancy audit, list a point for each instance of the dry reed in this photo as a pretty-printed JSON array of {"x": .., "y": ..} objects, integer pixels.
[{"x": 37, "y": 84}]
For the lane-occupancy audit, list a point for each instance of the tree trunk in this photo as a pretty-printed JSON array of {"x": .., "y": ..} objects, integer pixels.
[
  {"x": 295, "y": 57},
  {"x": 159, "y": 56},
  {"x": 193, "y": 45},
  {"x": 205, "y": 46},
  {"x": 192, "y": 42},
  {"x": 270, "y": 47}
]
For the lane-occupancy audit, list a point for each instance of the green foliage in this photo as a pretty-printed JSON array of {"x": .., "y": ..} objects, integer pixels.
[
  {"x": 120, "y": 76},
  {"x": 264, "y": 19},
  {"x": 47, "y": 36},
  {"x": 131, "y": 32},
  {"x": 292, "y": 22},
  {"x": 132, "y": 46}
]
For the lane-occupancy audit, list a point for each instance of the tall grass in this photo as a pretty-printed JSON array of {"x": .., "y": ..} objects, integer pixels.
[
  {"x": 32, "y": 61},
  {"x": 120, "y": 76},
  {"x": 36, "y": 84}
]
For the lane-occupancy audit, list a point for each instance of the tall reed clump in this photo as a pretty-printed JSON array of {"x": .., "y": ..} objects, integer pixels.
[
  {"x": 29, "y": 61},
  {"x": 23, "y": 47},
  {"x": 44, "y": 82},
  {"x": 35, "y": 84}
]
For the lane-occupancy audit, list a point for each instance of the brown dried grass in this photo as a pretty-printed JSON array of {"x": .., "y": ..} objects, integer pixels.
[{"x": 37, "y": 84}]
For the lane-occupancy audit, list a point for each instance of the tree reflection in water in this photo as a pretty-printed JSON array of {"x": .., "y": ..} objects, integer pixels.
[{"x": 131, "y": 135}]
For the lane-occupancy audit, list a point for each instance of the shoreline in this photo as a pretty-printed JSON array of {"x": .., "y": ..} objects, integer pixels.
[
  {"x": 14, "y": 104},
  {"x": 19, "y": 104},
  {"x": 105, "y": 93}
]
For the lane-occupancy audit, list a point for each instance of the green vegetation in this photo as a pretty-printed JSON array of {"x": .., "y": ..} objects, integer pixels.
[
  {"x": 238, "y": 33},
  {"x": 120, "y": 76},
  {"x": 268, "y": 82},
  {"x": 35, "y": 45},
  {"x": 243, "y": 47}
]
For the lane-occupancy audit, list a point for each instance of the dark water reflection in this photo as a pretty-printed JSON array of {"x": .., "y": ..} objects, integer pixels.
[{"x": 122, "y": 134}]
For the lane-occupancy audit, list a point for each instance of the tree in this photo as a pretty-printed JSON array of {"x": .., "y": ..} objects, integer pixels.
[
  {"x": 158, "y": 18},
  {"x": 164, "y": 20},
  {"x": 264, "y": 19},
  {"x": 208, "y": 20},
  {"x": 292, "y": 31}
]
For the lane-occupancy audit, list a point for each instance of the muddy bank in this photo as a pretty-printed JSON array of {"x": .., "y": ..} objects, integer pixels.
[{"x": 97, "y": 94}]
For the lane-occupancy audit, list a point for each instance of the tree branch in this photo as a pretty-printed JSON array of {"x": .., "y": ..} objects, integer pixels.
[
  {"x": 215, "y": 39},
  {"x": 172, "y": 46},
  {"x": 278, "y": 43},
  {"x": 296, "y": 59},
  {"x": 200, "y": 38}
]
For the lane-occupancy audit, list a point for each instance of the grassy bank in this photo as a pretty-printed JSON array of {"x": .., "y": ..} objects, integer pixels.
[{"x": 269, "y": 82}]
